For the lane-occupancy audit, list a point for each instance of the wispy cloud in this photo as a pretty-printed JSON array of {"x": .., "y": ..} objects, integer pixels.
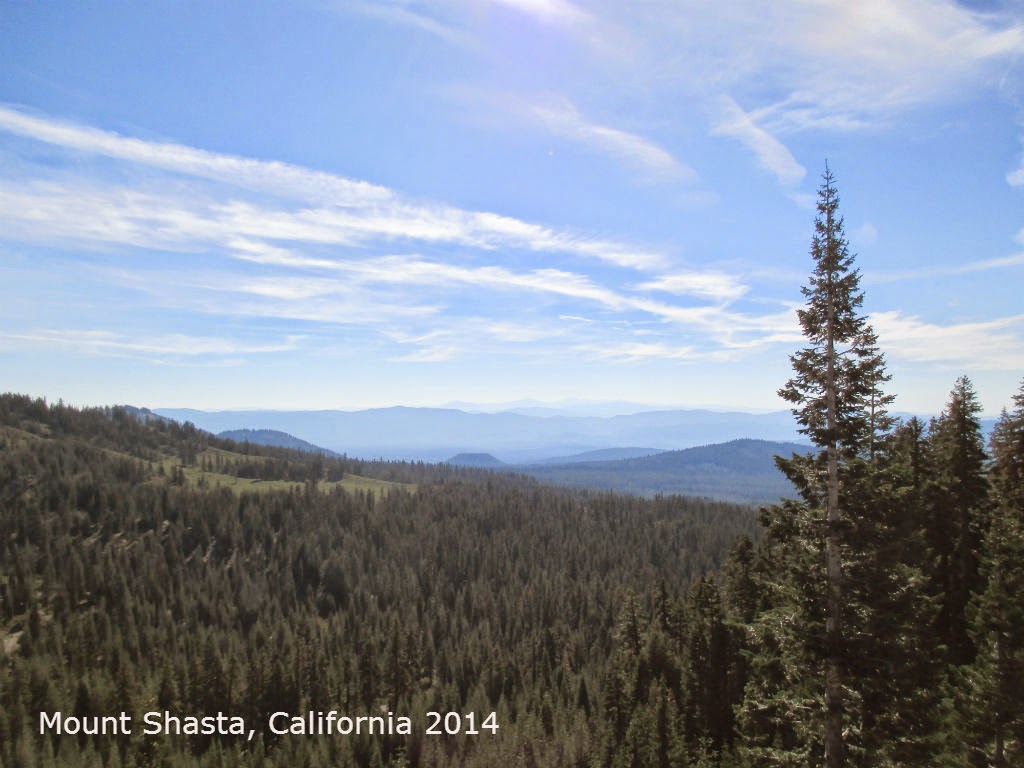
[
  {"x": 408, "y": 15},
  {"x": 633, "y": 352},
  {"x": 559, "y": 11},
  {"x": 338, "y": 211},
  {"x": 316, "y": 300},
  {"x": 794, "y": 65},
  {"x": 429, "y": 354},
  {"x": 101, "y": 342},
  {"x": 556, "y": 116},
  {"x": 717, "y": 286},
  {"x": 428, "y": 295},
  {"x": 771, "y": 154},
  {"x": 984, "y": 265},
  {"x": 986, "y": 345},
  {"x": 561, "y": 118},
  {"x": 832, "y": 64},
  {"x": 453, "y": 339},
  {"x": 280, "y": 179},
  {"x": 467, "y": 280},
  {"x": 414, "y": 271},
  {"x": 332, "y": 263},
  {"x": 518, "y": 333},
  {"x": 891, "y": 55}
]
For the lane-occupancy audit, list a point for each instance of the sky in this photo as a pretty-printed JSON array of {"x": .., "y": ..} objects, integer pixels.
[{"x": 356, "y": 203}]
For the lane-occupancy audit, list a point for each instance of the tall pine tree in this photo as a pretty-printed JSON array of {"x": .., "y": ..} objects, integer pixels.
[{"x": 838, "y": 400}]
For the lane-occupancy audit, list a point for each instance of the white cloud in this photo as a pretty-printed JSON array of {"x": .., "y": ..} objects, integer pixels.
[
  {"x": 290, "y": 288},
  {"x": 563, "y": 119},
  {"x": 433, "y": 354},
  {"x": 632, "y": 352},
  {"x": 492, "y": 230},
  {"x": 518, "y": 333},
  {"x": 716, "y": 286},
  {"x": 414, "y": 271},
  {"x": 281, "y": 179},
  {"x": 454, "y": 338},
  {"x": 107, "y": 343},
  {"x": 393, "y": 270},
  {"x": 988, "y": 345},
  {"x": 264, "y": 253},
  {"x": 771, "y": 154}
]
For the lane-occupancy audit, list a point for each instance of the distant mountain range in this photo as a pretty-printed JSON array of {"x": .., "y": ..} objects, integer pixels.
[
  {"x": 436, "y": 434},
  {"x": 722, "y": 455}
]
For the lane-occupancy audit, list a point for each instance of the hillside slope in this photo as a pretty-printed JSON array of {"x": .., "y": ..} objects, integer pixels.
[
  {"x": 739, "y": 471},
  {"x": 275, "y": 439}
]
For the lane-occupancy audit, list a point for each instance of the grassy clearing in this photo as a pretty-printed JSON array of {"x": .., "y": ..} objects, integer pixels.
[
  {"x": 197, "y": 478},
  {"x": 19, "y": 437},
  {"x": 376, "y": 487}
]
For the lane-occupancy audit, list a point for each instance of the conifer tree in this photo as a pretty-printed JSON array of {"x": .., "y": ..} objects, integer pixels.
[
  {"x": 838, "y": 400},
  {"x": 956, "y": 512},
  {"x": 995, "y": 707}
]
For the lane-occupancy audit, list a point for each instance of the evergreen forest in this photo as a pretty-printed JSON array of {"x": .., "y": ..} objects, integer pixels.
[{"x": 876, "y": 619}]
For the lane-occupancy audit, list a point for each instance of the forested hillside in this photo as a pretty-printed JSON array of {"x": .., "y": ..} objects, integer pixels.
[{"x": 154, "y": 567}]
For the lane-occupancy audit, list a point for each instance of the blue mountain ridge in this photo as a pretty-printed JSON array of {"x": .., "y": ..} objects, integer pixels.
[{"x": 436, "y": 434}]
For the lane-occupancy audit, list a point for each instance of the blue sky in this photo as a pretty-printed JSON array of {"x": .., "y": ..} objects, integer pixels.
[{"x": 354, "y": 203}]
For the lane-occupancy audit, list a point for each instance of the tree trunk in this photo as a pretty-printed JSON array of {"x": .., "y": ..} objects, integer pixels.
[
  {"x": 833, "y": 566},
  {"x": 833, "y": 677}
]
